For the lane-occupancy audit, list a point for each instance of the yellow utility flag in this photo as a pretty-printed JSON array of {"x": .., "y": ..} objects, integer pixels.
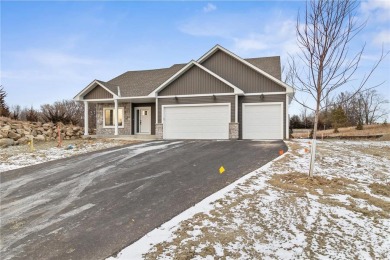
[{"x": 221, "y": 170}]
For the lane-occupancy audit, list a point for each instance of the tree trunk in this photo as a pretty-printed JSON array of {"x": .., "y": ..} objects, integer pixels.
[{"x": 314, "y": 143}]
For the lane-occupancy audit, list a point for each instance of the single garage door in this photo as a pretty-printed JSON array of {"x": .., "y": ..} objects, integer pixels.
[
  {"x": 209, "y": 121},
  {"x": 262, "y": 120}
]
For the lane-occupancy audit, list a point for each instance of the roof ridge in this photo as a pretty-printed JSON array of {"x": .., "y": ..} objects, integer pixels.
[{"x": 262, "y": 57}]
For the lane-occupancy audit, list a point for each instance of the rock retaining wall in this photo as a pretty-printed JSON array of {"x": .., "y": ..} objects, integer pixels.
[{"x": 20, "y": 132}]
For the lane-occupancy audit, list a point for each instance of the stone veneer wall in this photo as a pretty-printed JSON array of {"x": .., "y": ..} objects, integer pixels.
[
  {"x": 159, "y": 131},
  {"x": 233, "y": 131},
  {"x": 100, "y": 130}
]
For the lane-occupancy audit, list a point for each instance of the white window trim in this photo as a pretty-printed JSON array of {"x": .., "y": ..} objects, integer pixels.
[
  {"x": 112, "y": 108},
  {"x": 263, "y": 104}
]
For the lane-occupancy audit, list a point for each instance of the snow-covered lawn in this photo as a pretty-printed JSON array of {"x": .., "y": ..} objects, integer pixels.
[
  {"x": 276, "y": 212},
  {"x": 14, "y": 157}
]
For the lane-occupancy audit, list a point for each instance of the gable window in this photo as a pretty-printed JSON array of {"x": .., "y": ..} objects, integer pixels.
[{"x": 108, "y": 117}]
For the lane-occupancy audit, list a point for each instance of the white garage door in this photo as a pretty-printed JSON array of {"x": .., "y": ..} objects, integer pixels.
[
  {"x": 209, "y": 121},
  {"x": 262, "y": 121}
]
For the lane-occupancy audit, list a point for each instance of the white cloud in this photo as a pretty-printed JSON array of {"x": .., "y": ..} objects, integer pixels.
[
  {"x": 382, "y": 37},
  {"x": 253, "y": 42},
  {"x": 209, "y": 8},
  {"x": 249, "y": 34},
  {"x": 377, "y": 11},
  {"x": 375, "y": 4}
]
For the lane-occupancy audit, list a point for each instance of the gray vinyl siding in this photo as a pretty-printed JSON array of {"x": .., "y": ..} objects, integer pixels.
[
  {"x": 196, "y": 100},
  {"x": 256, "y": 99},
  {"x": 239, "y": 74},
  {"x": 153, "y": 115},
  {"x": 195, "y": 81},
  {"x": 98, "y": 93}
]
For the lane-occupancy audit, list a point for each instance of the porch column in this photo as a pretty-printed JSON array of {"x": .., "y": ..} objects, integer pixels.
[
  {"x": 85, "y": 118},
  {"x": 236, "y": 108},
  {"x": 116, "y": 116}
]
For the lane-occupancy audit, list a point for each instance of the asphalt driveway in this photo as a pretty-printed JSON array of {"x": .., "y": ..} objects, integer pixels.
[{"x": 93, "y": 205}]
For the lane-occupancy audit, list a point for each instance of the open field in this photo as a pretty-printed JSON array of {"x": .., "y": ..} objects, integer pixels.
[
  {"x": 280, "y": 213},
  {"x": 368, "y": 130}
]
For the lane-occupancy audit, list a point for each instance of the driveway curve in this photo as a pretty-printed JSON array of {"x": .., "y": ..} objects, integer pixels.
[{"x": 91, "y": 206}]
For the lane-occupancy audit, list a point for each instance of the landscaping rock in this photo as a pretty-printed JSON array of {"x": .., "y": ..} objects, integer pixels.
[
  {"x": 16, "y": 130},
  {"x": 40, "y": 138},
  {"x": 6, "y": 128},
  {"x": 23, "y": 140},
  {"x": 14, "y": 136},
  {"x": 5, "y": 142}
]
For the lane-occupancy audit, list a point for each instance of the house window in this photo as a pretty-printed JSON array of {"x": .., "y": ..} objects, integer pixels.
[{"x": 108, "y": 116}]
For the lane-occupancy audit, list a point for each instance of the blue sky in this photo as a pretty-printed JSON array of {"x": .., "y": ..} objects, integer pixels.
[{"x": 51, "y": 50}]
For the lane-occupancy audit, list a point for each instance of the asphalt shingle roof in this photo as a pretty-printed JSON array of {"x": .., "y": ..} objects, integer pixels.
[
  {"x": 143, "y": 82},
  {"x": 271, "y": 65}
]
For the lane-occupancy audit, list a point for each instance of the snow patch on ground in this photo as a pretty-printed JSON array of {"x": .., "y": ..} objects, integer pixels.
[
  {"x": 19, "y": 156},
  {"x": 254, "y": 219}
]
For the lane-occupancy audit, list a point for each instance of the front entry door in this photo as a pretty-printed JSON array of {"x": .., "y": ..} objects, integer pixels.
[{"x": 143, "y": 120}]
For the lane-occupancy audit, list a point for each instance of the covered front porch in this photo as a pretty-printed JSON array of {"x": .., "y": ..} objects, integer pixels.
[{"x": 131, "y": 117}]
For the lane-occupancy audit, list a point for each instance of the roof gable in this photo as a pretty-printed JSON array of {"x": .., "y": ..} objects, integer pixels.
[
  {"x": 93, "y": 85},
  {"x": 218, "y": 48},
  {"x": 98, "y": 92},
  {"x": 195, "y": 81},
  {"x": 236, "y": 90}
]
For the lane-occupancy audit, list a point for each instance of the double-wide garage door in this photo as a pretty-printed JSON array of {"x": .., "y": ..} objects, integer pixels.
[
  {"x": 210, "y": 121},
  {"x": 262, "y": 121}
]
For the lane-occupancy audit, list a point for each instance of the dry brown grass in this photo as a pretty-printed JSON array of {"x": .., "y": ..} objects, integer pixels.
[
  {"x": 379, "y": 129},
  {"x": 380, "y": 189},
  {"x": 300, "y": 183}
]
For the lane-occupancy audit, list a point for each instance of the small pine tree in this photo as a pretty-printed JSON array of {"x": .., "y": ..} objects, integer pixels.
[
  {"x": 4, "y": 109},
  {"x": 359, "y": 126},
  {"x": 339, "y": 118},
  {"x": 385, "y": 122}
]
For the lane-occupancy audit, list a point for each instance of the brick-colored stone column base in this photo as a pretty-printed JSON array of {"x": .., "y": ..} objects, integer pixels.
[
  {"x": 159, "y": 131},
  {"x": 233, "y": 131}
]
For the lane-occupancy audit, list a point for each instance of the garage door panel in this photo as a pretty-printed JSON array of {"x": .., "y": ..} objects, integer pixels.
[
  {"x": 262, "y": 121},
  {"x": 196, "y": 122}
]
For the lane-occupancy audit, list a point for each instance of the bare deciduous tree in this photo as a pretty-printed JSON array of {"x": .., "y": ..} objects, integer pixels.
[
  {"x": 324, "y": 37},
  {"x": 66, "y": 111},
  {"x": 372, "y": 106},
  {"x": 15, "y": 112}
]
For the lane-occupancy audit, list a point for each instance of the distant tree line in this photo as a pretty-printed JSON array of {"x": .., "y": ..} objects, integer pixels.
[
  {"x": 65, "y": 111},
  {"x": 347, "y": 109}
]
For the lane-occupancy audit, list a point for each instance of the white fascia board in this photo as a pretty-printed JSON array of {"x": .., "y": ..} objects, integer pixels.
[
  {"x": 198, "y": 95},
  {"x": 218, "y": 47},
  {"x": 265, "y": 93},
  {"x": 175, "y": 76},
  {"x": 98, "y": 100},
  {"x": 136, "y": 97},
  {"x": 89, "y": 87},
  {"x": 236, "y": 89}
]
